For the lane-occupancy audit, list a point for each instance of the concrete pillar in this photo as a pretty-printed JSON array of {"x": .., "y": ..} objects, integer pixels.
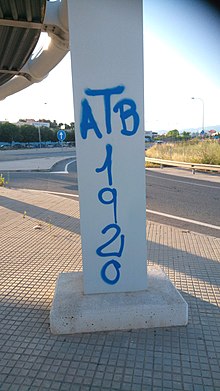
[{"x": 106, "y": 42}]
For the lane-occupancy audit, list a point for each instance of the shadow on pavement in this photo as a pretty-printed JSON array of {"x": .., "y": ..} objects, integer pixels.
[
  {"x": 60, "y": 220},
  {"x": 176, "y": 261}
]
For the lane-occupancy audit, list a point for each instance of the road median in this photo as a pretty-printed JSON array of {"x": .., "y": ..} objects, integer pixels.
[{"x": 41, "y": 164}]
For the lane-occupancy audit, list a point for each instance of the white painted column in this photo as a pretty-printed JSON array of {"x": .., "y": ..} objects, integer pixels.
[{"x": 106, "y": 40}]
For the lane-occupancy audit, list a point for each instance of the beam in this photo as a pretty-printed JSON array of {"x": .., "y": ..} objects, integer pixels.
[{"x": 21, "y": 24}]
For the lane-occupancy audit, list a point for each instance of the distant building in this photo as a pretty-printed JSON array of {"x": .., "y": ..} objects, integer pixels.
[
  {"x": 37, "y": 124},
  {"x": 212, "y": 132},
  {"x": 148, "y": 134}
]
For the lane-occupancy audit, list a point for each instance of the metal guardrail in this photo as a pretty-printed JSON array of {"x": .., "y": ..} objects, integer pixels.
[{"x": 192, "y": 166}]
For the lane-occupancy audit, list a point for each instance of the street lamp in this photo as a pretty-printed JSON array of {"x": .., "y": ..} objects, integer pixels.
[
  {"x": 203, "y": 112},
  {"x": 39, "y": 135},
  {"x": 39, "y": 130}
]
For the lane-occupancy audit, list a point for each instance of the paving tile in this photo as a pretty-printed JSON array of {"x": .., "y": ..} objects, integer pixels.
[{"x": 166, "y": 359}]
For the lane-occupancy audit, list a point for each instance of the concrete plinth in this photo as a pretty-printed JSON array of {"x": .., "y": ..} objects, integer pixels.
[{"x": 161, "y": 305}]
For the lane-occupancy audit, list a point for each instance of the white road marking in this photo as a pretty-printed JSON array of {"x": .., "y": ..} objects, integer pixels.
[
  {"x": 66, "y": 166},
  {"x": 65, "y": 169},
  {"x": 183, "y": 219},
  {"x": 188, "y": 183},
  {"x": 147, "y": 210}
]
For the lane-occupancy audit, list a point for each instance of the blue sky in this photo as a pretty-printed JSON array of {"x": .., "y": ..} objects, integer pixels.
[{"x": 182, "y": 59}]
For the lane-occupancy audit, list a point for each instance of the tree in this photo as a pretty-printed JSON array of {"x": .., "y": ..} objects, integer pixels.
[
  {"x": 47, "y": 134},
  {"x": 8, "y": 132},
  {"x": 54, "y": 124},
  {"x": 70, "y": 135},
  {"x": 29, "y": 133},
  {"x": 186, "y": 135},
  {"x": 173, "y": 133}
]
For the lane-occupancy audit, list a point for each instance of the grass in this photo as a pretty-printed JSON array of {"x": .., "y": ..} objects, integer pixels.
[{"x": 192, "y": 151}]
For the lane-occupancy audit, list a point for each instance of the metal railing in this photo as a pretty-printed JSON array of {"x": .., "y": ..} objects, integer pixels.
[{"x": 192, "y": 166}]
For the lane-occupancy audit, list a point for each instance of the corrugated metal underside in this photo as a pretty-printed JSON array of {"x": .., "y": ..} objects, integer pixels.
[{"x": 17, "y": 43}]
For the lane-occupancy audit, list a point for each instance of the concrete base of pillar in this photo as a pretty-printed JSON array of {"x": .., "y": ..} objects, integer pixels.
[{"x": 161, "y": 305}]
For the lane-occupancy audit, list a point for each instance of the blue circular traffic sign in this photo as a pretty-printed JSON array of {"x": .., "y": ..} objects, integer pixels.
[{"x": 61, "y": 135}]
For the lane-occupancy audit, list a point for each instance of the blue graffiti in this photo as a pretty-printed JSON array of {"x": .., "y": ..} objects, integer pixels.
[
  {"x": 107, "y": 164},
  {"x": 125, "y": 114},
  {"x": 106, "y": 93},
  {"x": 108, "y": 195},
  {"x": 88, "y": 122},
  {"x": 117, "y": 266},
  {"x": 117, "y": 233},
  {"x": 112, "y": 200}
]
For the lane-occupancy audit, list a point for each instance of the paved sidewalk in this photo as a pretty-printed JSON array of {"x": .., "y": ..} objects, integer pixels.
[{"x": 168, "y": 359}]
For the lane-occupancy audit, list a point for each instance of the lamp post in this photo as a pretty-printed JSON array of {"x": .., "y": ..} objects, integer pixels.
[
  {"x": 39, "y": 135},
  {"x": 203, "y": 112},
  {"x": 39, "y": 130}
]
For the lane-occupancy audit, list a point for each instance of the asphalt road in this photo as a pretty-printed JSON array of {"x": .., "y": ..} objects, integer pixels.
[
  {"x": 56, "y": 180},
  {"x": 174, "y": 197},
  {"x": 180, "y": 198},
  {"x": 20, "y": 154}
]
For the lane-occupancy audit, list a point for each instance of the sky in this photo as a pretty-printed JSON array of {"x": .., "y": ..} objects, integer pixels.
[{"x": 181, "y": 61}]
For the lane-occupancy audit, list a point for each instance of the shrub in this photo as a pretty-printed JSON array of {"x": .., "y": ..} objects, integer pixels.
[{"x": 2, "y": 180}]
